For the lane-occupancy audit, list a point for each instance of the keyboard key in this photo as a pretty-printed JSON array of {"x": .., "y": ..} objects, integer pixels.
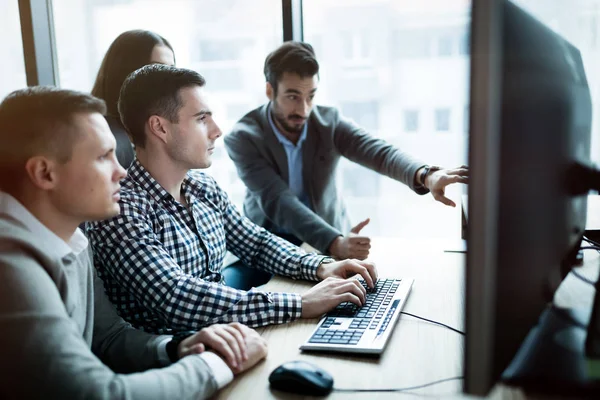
[{"x": 339, "y": 341}]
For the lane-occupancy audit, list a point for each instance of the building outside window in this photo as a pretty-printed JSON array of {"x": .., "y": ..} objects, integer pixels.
[
  {"x": 442, "y": 120},
  {"x": 411, "y": 121}
]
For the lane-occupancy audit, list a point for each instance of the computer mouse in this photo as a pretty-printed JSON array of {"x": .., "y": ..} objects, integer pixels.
[{"x": 301, "y": 377}]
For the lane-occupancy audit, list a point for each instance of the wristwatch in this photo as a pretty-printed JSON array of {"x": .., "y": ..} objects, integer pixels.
[
  {"x": 428, "y": 169},
  {"x": 327, "y": 260},
  {"x": 173, "y": 344}
]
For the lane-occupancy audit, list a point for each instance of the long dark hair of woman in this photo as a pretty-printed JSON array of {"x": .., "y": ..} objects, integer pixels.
[{"x": 129, "y": 51}]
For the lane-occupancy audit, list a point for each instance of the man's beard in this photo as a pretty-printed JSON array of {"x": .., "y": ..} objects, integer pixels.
[{"x": 287, "y": 126}]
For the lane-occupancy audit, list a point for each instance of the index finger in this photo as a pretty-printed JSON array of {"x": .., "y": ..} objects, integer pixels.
[
  {"x": 371, "y": 268},
  {"x": 459, "y": 171},
  {"x": 359, "y": 269}
]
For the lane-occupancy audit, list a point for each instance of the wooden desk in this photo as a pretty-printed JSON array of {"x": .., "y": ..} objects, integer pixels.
[{"x": 418, "y": 352}]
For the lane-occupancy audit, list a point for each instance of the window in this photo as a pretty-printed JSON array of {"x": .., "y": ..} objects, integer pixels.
[
  {"x": 442, "y": 119},
  {"x": 444, "y": 45},
  {"x": 11, "y": 47},
  {"x": 221, "y": 50},
  {"x": 226, "y": 41},
  {"x": 412, "y": 44},
  {"x": 356, "y": 45},
  {"x": 411, "y": 121},
  {"x": 222, "y": 79},
  {"x": 399, "y": 92},
  {"x": 464, "y": 43},
  {"x": 235, "y": 111},
  {"x": 369, "y": 186},
  {"x": 365, "y": 114}
]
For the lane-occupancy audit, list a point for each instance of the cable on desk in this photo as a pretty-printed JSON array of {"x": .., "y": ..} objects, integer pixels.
[
  {"x": 583, "y": 278},
  {"x": 597, "y": 248},
  {"x": 433, "y": 322},
  {"x": 587, "y": 239},
  {"x": 402, "y": 389}
]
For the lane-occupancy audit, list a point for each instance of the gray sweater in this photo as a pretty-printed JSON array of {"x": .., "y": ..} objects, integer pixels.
[{"x": 60, "y": 337}]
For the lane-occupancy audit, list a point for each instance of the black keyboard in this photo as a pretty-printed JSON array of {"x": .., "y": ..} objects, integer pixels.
[{"x": 378, "y": 306}]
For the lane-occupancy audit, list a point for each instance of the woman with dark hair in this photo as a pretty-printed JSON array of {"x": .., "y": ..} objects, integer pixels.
[{"x": 130, "y": 51}]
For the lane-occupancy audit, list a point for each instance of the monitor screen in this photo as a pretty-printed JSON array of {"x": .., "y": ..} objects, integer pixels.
[{"x": 530, "y": 121}]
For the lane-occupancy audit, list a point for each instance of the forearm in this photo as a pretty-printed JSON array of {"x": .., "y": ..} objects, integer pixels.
[
  {"x": 44, "y": 354},
  {"x": 191, "y": 303},
  {"x": 264, "y": 308},
  {"x": 261, "y": 249},
  {"x": 376, "y": 154},
  {"x": 278, "y": 256},
  {"x": 70, "y": 371}
]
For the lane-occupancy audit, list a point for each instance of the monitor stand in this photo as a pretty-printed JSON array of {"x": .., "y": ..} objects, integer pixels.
[{"x": 552, "y": 359}]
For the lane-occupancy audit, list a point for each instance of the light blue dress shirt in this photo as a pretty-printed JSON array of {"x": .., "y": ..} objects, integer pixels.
[{"x": 294, "y": 159}]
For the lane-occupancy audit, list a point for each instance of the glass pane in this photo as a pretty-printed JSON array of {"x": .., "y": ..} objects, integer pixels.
[
  {"x": 225, "y": 40},
  {"x": 11, "y": 47},
  {"x": 442, "y": 120},
  {"x": 578, "y": 22},
  {"x": 396, "y": 67},
  {"x": 411, "y": 121}
]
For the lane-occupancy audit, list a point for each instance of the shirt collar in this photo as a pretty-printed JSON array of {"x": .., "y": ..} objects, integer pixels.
[
  {"x": 282, "y": 139},
  {"x": 142, "y": 177},
  {"x": 13, "y": 208}
]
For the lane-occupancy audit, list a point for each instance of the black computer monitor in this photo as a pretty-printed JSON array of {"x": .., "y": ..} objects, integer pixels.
[{"x": 530, "y": 123}]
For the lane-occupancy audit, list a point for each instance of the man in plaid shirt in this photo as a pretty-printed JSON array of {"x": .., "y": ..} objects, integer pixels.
[{"x": 161, "y": 258}]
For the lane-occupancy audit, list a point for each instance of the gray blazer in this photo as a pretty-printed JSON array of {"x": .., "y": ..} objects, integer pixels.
[{"x": 261, "y": 162}]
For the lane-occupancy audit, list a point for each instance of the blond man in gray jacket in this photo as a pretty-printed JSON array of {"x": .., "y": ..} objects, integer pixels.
[{"x": 60, "y": 337}]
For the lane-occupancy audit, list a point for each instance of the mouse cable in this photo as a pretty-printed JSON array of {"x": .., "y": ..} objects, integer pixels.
[
  {"x": 583, "y": 278},
  {"x": 402, "y": 389},
  {"x": 576, "y": 274},
  {"x": 594, "y": 247},
  {"x": 433, "y": 322},
  {"x": 587, "y": 239}
]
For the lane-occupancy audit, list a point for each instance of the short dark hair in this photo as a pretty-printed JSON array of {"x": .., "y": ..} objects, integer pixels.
[
  {"x": 293, "y": 57},
  {"x": 153, "y": 90},
  {"x": 128, "y": 52},
  {"x": 38, "y": 120}
]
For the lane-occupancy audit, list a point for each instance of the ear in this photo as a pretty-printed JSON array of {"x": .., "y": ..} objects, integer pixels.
[
  {"x": 42, "y": 172},
  {"x": 270, "y": 92},
  {"x": 157, "y": 128}
]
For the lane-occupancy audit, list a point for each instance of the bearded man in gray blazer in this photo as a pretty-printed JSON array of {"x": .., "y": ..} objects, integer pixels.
[{"x": 287, "y": 151}]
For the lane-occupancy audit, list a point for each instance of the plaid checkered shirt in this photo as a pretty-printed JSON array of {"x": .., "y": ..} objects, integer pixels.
[{"x": 161, "y": 262}]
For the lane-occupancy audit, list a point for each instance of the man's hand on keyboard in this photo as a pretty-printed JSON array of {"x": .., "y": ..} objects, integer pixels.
[
  {"x": 326, "y": 295},
  {"x": 347, "y": 268}
]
